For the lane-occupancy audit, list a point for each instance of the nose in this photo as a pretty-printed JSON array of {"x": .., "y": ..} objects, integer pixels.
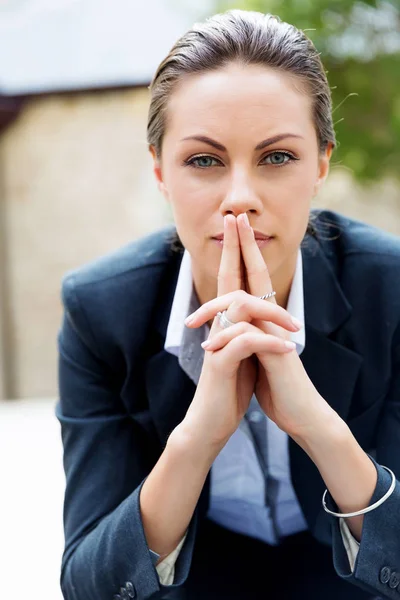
[{"x": 241, "y": 197}]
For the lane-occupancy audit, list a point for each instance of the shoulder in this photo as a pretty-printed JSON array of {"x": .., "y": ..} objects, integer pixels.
[
  {"x": 148, "y": 252},
  {"x": 113, "y": 296},
  {"x": 365, "y": 261},
  {"x": 122, "y": 271},
  {"x": 354, "y": 235},
  {"x": 349, "y": 236}
]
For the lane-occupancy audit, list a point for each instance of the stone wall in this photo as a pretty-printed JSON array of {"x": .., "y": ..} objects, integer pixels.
[{"x": 77, "y": 183}]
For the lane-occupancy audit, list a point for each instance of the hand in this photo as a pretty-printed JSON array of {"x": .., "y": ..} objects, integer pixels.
[
  {"x": 283, "y": 388},
  {"x": 228, "y": 377}
]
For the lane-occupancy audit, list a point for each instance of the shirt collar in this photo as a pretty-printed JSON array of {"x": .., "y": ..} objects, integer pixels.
[{"x": 185, "y": 301}]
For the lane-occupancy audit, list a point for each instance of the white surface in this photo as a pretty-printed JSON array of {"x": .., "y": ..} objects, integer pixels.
[{"x": 32, "y": 488}]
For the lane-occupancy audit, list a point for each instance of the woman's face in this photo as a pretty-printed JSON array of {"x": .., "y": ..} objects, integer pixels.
[{"x": 240, "y": 139}]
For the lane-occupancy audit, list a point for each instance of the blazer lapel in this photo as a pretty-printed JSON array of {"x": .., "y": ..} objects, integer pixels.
[
  {"x": 332, "y": 368},
  {"x": 170, "y": 391}
]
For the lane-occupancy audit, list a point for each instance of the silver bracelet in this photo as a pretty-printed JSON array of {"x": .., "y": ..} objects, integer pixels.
[{"x": 364, "y": 510}]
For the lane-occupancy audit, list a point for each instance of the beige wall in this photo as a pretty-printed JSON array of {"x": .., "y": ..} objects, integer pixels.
[
  {"x": 377, "y": 204},
  {"x": 77, "y": 184}
]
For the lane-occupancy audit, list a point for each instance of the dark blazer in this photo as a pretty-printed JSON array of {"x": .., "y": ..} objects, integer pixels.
[{"x": 121, "y": 395}]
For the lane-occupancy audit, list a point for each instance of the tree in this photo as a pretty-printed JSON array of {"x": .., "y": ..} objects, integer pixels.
[{"x": 360, "y": 48}]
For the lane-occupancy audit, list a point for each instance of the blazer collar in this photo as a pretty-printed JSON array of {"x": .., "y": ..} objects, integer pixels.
[
  {"x": 325, "y": 305},
  {"x": 166, "y": 296}
]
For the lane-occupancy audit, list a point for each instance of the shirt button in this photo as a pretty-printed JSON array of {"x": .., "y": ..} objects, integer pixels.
[
  {"x": 255, "y": 416},
  {"x": 385, "y": 574}
]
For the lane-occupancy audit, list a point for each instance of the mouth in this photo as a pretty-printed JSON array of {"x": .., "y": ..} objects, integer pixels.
[{"x": 261, "y": 239}]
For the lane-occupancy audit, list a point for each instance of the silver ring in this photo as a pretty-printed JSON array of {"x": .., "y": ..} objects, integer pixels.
[
  {"x": 267, "y": 296},
  {"x": 223, "y": 320}
]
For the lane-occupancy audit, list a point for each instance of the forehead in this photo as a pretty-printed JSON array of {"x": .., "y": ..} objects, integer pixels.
[{"x": 248, "y": 96}]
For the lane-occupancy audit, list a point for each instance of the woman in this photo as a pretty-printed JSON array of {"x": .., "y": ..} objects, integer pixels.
[{"x": 196, "y": 470}]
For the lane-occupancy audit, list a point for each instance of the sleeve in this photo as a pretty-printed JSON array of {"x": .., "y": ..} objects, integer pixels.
[
  {"x": 377, "y": 565},
  {"x": 166, "y": 568},
  {"x": 350, "y": 543},
  {"x": 107, "y": 457}
]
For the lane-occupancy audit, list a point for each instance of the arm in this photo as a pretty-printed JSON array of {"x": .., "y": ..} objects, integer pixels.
[
  {"x": 177, "y": 478},
  {"x": 107, "y": 457},
  {"x": 349, "y": 474},
  {"x": 353, "y": 486}
]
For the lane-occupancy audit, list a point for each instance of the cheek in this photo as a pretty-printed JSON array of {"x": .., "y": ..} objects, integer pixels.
[
  {"x": 298, "y": 179},
  {"x": 292, "y": 197},
  {"x": 192, "y": 201},
  {"x": 190, "y": 212},
  {"x": 294, "y": 186},
  {"x": 292, "y": 202},
  {"x": 193, "y": 216}
]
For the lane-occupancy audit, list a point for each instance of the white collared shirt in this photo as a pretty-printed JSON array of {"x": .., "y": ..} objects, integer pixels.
[{"x": 183, "y": 294}]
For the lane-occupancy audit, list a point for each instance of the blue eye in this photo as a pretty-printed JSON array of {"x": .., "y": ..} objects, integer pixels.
[
  {"x": 201, "y": 162},
  {"x": 205, "y": 161},
  {"x": 279, "y": 158}
]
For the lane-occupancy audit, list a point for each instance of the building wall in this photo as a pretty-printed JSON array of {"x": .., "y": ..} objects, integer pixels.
[{"x": 78, "y": 183}]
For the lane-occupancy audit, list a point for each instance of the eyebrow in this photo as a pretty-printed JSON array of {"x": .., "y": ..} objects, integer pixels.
[{"x": 260, "y": 146}]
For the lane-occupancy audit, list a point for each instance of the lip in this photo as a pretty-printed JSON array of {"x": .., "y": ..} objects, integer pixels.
[
  {"x": 261, "y": 242},
  {"x": 257, "y": 234},
  {"x": 261, "y": 238}
]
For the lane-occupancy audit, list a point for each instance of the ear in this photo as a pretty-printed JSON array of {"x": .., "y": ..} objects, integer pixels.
[
  {"x": 158, "y": 173},
  {"x": 323, "y": 167}
]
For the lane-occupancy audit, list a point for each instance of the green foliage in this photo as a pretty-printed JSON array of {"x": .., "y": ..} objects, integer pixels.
[{"x": 360, "y": 48}]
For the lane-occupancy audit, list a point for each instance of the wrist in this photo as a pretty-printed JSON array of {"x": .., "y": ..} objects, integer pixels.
[
  {"x": 190, "y": 440},
  {"x": 323, "y": 432}
]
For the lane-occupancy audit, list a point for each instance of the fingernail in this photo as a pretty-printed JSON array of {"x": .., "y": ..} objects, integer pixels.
[
  {"x": 189, "y": 319},
  {"x": 298, "y": 324},
  {"x": 290, "y": 345},
  {"x": 206, "y": 344},
  {"x": 246, "y": 220}
]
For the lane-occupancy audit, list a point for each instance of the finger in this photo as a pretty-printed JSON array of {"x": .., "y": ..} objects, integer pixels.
[
  {"x": 259, "y": 280},
  {"x": 245, "y": 345},
  {"x": 243, "y": 307},
  {"x": 247, "y": 334},
  {"x": 229, "y": 274}
]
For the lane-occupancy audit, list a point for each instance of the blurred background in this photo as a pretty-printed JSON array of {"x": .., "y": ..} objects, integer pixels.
[{"x": 76, "y": 183}]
